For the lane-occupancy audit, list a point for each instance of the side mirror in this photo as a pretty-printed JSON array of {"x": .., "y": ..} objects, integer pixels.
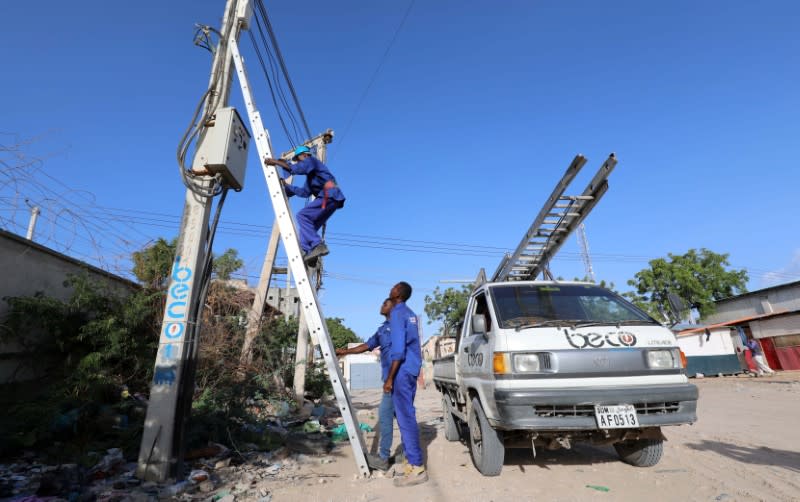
[
  {"x": 676, "y": 304},
  {"x": 478, "y": 324}
]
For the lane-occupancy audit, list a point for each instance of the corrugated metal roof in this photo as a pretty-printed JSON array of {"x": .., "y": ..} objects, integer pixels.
[{"x": 734, "y": 322}]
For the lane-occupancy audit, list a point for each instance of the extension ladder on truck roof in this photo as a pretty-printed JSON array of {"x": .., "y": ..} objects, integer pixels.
[{"x": 560, "y": 215}]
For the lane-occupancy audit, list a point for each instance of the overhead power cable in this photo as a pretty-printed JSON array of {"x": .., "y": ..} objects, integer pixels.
[
  {"x": 276, "y": 47},
  {"x": 375, "y": 73}
]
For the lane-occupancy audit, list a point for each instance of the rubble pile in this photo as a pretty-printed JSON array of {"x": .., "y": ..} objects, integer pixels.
[{"x": 216, "y": 473}]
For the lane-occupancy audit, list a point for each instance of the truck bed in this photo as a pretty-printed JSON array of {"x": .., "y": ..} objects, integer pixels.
[{"x": 444, "y": 370}]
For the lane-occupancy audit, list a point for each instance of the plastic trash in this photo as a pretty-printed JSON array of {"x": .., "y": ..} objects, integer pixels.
[
  {"x": 311, "y": 426},
  {"x": 176, "y": 489},
  {"x": 365, "y": 427},
  {"x": 339, "y": 433},
  {"x": 198, "y": 476},
  {"x": 599, "y": 488}
]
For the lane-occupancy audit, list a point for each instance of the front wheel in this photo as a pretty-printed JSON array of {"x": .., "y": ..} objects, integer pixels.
[
  {"x": 486, "y": 443},
  {"x": 640, "y": 452},
  {"x": 451, "y": 428}
]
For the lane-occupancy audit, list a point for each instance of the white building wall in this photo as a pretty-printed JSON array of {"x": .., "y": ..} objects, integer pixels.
[
  {"x": 695, "y": 344},
  {"x": 766, "y": 301}
]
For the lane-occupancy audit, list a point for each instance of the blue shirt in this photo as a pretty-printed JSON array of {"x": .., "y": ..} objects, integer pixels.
[
  {"x": 317, "y": 174},
  {"x": 404, "y": 326},
  {"x": 383, "y": 339}
]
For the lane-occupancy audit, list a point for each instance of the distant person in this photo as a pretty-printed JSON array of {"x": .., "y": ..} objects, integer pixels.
[
  {"x": 758, "y": 357},
  {"x": 406, "y": 357},
  {"x": 319, "y": 183},
  {"x": 381, "y": 338}
]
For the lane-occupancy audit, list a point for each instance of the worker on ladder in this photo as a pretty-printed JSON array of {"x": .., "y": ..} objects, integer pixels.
[{"x": 319, "y": 183}]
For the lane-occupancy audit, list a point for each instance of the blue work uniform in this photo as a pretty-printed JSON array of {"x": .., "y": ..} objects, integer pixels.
[
  {"x": 311, "y": 218},
  {"x": 404, "y": 327},
  {"x": 382, "y": 338}
]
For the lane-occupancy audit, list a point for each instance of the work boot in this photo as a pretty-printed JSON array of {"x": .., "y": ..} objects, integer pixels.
[
  {"x": 377, "y": 462},
  {"x": 319, "y": 250},
  {"x": 412, "y": 475}
]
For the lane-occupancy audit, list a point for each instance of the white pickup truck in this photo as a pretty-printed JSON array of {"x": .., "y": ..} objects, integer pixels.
[{"x": 547, "y": 363}]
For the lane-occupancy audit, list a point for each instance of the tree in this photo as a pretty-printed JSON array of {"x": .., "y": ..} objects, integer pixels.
[
  {"x": 341, "y": 335},
  {"x": 226, "y": 264},
  {"x": 152, "y": 264},
  {"x": 448, "y": 306},
  {"x": 697, "y": 277}
]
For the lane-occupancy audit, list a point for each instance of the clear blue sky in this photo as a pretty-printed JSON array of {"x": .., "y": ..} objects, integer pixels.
[{"x": 476, "y": 112}]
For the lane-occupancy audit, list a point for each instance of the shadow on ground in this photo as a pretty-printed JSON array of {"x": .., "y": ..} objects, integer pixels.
[{"x": 749, "y": 455}]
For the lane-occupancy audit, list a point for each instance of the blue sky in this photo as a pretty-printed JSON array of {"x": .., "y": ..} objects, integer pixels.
[{"x": 475, "y": 114}]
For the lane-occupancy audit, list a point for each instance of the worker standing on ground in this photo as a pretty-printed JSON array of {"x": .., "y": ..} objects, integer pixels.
[
  {"x": 319, "y": 183},
  {"x": 406, "y": 357},
  {"x": 381, "y": 338}
]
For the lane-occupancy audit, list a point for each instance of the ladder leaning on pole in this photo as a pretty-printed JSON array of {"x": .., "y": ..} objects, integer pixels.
[
  {"x": 560, "y": 215},
  {"x": 308, "y": 297}
]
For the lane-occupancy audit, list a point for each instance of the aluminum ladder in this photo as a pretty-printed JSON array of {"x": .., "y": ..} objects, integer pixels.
[
  {"x": 305, "y": 290},
  {"x": 560, "y": 215}
]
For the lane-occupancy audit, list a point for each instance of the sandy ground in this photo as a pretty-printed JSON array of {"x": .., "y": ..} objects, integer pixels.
[{"x": 745, "y": 446}]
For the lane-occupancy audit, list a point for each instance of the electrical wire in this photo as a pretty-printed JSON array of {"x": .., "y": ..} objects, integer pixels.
[
  {"x": 263, "y": 10},
  {"x": 375, "y": 73},
  {"x": 292, "y": 141}
]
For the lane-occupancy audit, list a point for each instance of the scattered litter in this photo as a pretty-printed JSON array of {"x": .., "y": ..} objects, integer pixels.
[
  {"x": 272, "y": 470},
  {"x": 722, "y": 496},
  {"x": 176, "y": 489},
  {"x": 311, "y": 426},
  {"x": 664, "y": 471},
  {"x": 599, "y": 488},
  {"x": 198, "y": 476},
  {"x": 365, "y": 427},
  {"x": 339, "y": 433},
  {"x": 220, "y": 495},
  {"x": 108, "y": 464}
]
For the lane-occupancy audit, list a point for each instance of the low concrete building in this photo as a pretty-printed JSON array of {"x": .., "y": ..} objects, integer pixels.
[{"x": 771, "y": 316}]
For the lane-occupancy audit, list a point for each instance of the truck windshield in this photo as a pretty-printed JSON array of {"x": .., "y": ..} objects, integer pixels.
[{"x": 568, "y": 304}]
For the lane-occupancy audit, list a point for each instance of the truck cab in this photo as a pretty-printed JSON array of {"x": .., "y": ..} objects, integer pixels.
[{"x": 548, "y": 363}]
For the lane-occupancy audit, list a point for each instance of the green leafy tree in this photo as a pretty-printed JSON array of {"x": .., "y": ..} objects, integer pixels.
[
  {"x": 698, "y": 277},
  {"x": 152, "y": 264},
  {"x": 448, "y": 306},
  {"x": 226, "y": 264},
  {"x": 341, "y": 335}
]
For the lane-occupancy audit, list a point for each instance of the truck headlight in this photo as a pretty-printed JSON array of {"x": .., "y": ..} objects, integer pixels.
[
  {"x": 533, "y": 362},
  {"x": 662, "y": 359},
  {"x": 525, "y": 363}
]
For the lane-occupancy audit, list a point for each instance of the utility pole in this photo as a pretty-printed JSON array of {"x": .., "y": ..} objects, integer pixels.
[
  {"x": 587, "y": 258},
  {"x": 171, "y": 392},
  {"x": 32, "y": 223},
  {"x": 256, "y": 312}
]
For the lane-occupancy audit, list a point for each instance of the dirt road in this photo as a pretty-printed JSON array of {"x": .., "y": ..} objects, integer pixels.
[{"x": 745, "y": 446}]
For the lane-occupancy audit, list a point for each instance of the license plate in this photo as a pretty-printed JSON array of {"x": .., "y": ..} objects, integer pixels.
[{"x": 621, "y": 416}]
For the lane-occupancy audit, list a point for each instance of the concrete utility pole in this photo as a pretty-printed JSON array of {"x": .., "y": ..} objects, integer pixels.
[
  {"x": 32, "y": 223},
  {"x": 161, "y": 451}
]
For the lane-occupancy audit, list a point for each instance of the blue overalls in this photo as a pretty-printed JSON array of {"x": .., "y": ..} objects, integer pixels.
[
  {"x": 404, "y": 326},
  {"x": 382, "y": 338},
  {"x": 320, "y": 183}
]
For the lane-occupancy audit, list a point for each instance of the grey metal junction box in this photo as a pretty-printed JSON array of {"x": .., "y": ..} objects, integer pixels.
[{"x": 224, "y": 148}]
